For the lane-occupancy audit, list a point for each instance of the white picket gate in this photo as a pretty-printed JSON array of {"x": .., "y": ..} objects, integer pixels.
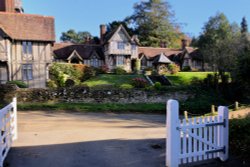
[
  {"x": 8, "y": 125},
  {"x": 195, "y": 139}
]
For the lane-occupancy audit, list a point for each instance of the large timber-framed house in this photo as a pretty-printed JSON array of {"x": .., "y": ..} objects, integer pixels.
[
  {"x": 118, "y": 49},
  {"x": 26, "y": 43}
]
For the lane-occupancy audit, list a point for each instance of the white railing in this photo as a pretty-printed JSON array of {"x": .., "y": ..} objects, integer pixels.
[
  {"x": 8, "y": 125},
  {"x": 195, "y": 139}
]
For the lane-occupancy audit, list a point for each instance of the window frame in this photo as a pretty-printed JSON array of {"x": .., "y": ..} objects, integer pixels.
[
  {"x": 121, "y": 45},
  {"x": 27, "y": 72}
]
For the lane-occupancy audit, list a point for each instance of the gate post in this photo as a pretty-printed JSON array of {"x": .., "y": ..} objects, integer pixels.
[
  {"x": 173, "y": 135},
  {"x": 223, "y": 133},
  {"x": 15, "y": 117}
]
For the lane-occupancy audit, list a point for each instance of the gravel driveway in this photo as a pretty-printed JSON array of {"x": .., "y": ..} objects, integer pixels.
[{"x": 88, "y": 140}]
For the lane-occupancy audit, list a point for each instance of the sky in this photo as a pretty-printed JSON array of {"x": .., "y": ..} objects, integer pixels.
[{"x": 87, "y": 15}]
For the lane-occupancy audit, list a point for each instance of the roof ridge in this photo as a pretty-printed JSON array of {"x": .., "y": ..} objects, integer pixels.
[{"x": 25, "y": 14}]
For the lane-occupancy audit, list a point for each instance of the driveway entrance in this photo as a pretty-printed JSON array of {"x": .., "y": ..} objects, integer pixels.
[{"x": 88, "y": 140}]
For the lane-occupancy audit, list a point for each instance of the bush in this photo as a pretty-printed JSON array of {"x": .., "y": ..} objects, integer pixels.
[
  {"x": 157, "y": 86},
  {"x": 20, "y": 84},
  {"x": 173, "y": 68},
  {"x": 60, "y": 72},
  {"x": 69, "y": 83},
  {"x": 239, "y": 137},
  {"x": 139, "y": 83},
  {"x": 104, "y": 69},
  {"x": 186, "y": 68},
  {"x": 89, "y": 73},
  {"x": 138, "y": 66},
  {"x": 51, "y": 84},
  {"x": 119, "y": 71}
]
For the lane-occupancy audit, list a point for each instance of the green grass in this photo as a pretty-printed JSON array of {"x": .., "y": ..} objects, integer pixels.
[
  {"x": 185, "y": 78},
  {"x": 88, "y": 107},
  {"x": 110, "y": 79}
]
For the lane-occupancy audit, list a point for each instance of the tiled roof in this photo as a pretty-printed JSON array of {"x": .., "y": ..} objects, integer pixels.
[
  {"x": 151, "y": 52},
  {"x": 84, "y": 50},
  {"x": 27, "y": 27}
]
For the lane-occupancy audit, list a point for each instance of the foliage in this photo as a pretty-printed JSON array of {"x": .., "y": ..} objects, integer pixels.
[
  {"x": 202, "y": 101},
  {"x": 139, "y": 83},
  {"x": 244, "y": 26},
  {"x": 69, "y": 83},
  {"x": 173, "y": 68},
  {"x": 186, "y": 68},
  {"x": 113, "y": 25},
  {"x": 61, "y": 72},
  {"x": 75, "y": 37},
  {"x": 153, "y": 21},
  {"x": 89, "y": 72},
  {"x": 51, "y": 84},
  {"x": 137, "y": 65},
  {"x": 126, "y": 86},
  {"x": 20, "y": 84},
  {"x": 157, "y": 85},
  {"x": 104, "y": 69},
  {"x": 119, "y": 71},
  {"x": 219, "y": 43},
  {"x": 239, "y": 137}
]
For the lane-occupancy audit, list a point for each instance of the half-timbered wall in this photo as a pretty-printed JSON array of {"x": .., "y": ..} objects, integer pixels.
[{"x": 31, "y": 67}]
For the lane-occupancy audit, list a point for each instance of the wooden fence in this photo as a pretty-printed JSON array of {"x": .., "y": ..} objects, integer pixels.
[
  {"x": 195, "y": 139},
  {"x": 8, "y": 125}
]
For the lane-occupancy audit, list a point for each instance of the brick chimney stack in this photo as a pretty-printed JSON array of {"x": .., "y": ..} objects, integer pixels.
[
  {"x": 184, "y": 43},
  {"x": 103, "y": 30},
  {"x": 7, "y": 6},
  {"x": 12, "y": 6}
]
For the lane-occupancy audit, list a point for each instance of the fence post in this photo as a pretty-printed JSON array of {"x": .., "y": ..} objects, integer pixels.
[
  {"x": 223, "y": 133},
  {"x": 213, "y": 109},
  {"x": 15, "y": 117},
  {"x": 173, "y": 135},
  {"x": 236, "y": 106}
]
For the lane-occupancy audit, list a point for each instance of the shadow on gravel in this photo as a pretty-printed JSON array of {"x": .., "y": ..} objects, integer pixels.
[{"x": 109, "y": 153}]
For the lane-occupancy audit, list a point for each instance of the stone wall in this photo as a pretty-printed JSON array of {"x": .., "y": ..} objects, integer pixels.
[{"x": 86, "y": 95}]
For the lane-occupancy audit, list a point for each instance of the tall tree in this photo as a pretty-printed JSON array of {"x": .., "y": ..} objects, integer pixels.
[
  {"x": 113, "y": 25},
  {"x": 75, "y": 37},
  {"x": 244, "y": 26},
  {"x": 154, "y": 23},
  {"x": 219, "y": 43}
]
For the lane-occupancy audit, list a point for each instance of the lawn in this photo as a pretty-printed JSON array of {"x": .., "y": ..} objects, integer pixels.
[
  {"x": 185, "y": 78},
  {"x": 110, "y": 79}
]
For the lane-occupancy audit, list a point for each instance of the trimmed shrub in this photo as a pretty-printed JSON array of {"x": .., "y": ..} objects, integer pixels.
[
  {"x": 139, "y": 83},
  {"x": 20, "y": 84},
  {"x": 186, "y": 68},
  {"x": 173, "y": 68},
  {"x": 157, "y": 85},
  {"x": 119, "y": 71}
]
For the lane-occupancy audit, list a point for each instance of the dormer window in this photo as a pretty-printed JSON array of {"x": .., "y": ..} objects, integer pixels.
[{"x": 120, "y": 45}]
